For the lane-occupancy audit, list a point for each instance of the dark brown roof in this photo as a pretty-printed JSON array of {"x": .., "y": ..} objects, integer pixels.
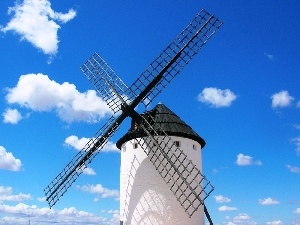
[{"x": 168, "y": 121}]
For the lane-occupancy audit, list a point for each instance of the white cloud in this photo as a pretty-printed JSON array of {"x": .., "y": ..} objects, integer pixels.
[
  {"x": 281, "y": 99},
  {"x": 297, "y": 211},
  {"x": 111, "y": 211},
  {"x": 66, "y": 216},
  {"x": 231, "y": 223},
  {"x": 100, "y": 190},
  {"x": 69, "y": 104},
  {"x": 217, "y": 97},
  {"x": 75, "y": 142},
  {"x": 241, "y": 217},
  {"x": 89, "y": 171},
  {"x": 8, "y": 161},
  {"x": 293, "y": 169},
  {"x": 42, "y": 199},
  {"x": 6, "y": 195},
  {"x": 5, "y": 190},
  {"x": 79, "y": 144},
  {"x": 268, "y": 201},
  {"x": 221, "y": 199},
  {"x": 276, "y": 222},
  {"x": 34, "y": 21},
  {"x": 245, "y": 160},
  {"x": 11, "y": 116},
  {"x": 225, "y": 208}
]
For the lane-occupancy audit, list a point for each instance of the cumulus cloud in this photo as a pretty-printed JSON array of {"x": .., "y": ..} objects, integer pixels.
[
  {"x": 245, "y": 160},
  {"x": 293, "y": 169},
  {"x": 281, "y": 99},
  {"x": 221, "y": 199},
  {"x": 217, "y": 97},
  {"x": 225, "y": 208},
  {"x": 68, "y": 216},
  {"x": 79, "y": 144},
  {"x": 36, "y": 22},
  {"x": 268, "y": 201},
  {"x": 8, "y": 161},
  {"x": 89, "y": 171},
  {"x": 100, "y": 190},
  {"x": 6, "y": 195},
  {"x": 11, "y": 116},
  {"x": 69, "y": 104}
]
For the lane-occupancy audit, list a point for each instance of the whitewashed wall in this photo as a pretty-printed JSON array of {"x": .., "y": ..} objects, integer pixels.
[{"x": 144, "y": 196}]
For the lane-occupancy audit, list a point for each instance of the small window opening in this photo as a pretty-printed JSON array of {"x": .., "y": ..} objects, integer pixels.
[
  {"x": 177, "y": 143},
  {"x": 135, "y": 145},
  {"x": 194, "y": 147}
]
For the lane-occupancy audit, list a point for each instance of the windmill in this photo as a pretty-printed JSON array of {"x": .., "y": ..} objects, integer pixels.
[{"x": 179, "y": 173}]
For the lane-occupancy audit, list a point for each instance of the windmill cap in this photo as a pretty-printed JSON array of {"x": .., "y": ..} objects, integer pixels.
[{"x": 167, "y": 121}]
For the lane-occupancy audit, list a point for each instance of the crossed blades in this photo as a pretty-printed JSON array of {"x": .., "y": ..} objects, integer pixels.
[{"x": 183, "y": 178}]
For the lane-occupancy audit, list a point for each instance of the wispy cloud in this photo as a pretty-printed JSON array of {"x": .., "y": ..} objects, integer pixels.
[
  {"x": 293, "y": 169},
  {"x": 297, "y": 211},
  {"x": 281, "y": 99},
  {"x": 101, "y": 191},
  {"x": 36, "y": 22},
  {"x": 246, "y": 160},
  {"x": 268, "y": 201},
  {"x": 297, "y": 126},
  {"x": 269, "y": 56},
  {"x": 69, "y": 104},
  {"x": 216, "y": 97},
  {"x": 275, "y": 222},
  {"x": 8, "y": 160},
  {"x": 225, "y": 208},
  {"x": 296, "y": 141}
]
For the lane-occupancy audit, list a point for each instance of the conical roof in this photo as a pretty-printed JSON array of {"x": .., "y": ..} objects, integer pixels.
[{"x": 168, "y": 121}]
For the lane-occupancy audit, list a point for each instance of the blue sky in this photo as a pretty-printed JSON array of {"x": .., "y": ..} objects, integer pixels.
[{"x": 240, "y": 93}]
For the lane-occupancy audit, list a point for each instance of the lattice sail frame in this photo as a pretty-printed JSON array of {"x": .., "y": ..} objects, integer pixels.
[
  {"x": 181, "y": 175},
  {"x": 61, "y": 183},
  {"x": 113, "y": 90},
  {"x": 180, "y": 51},
  {"x": 99, "y": 73}
]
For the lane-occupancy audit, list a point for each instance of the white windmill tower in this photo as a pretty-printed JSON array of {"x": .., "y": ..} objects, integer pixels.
[{"x": 144, "y": 196}]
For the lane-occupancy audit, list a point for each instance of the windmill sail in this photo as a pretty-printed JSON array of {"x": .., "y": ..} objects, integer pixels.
[
  {"x": 99, "y": 73},
  {"x": 176, "y": 55},
  {"x": 63, "y": 181}
]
